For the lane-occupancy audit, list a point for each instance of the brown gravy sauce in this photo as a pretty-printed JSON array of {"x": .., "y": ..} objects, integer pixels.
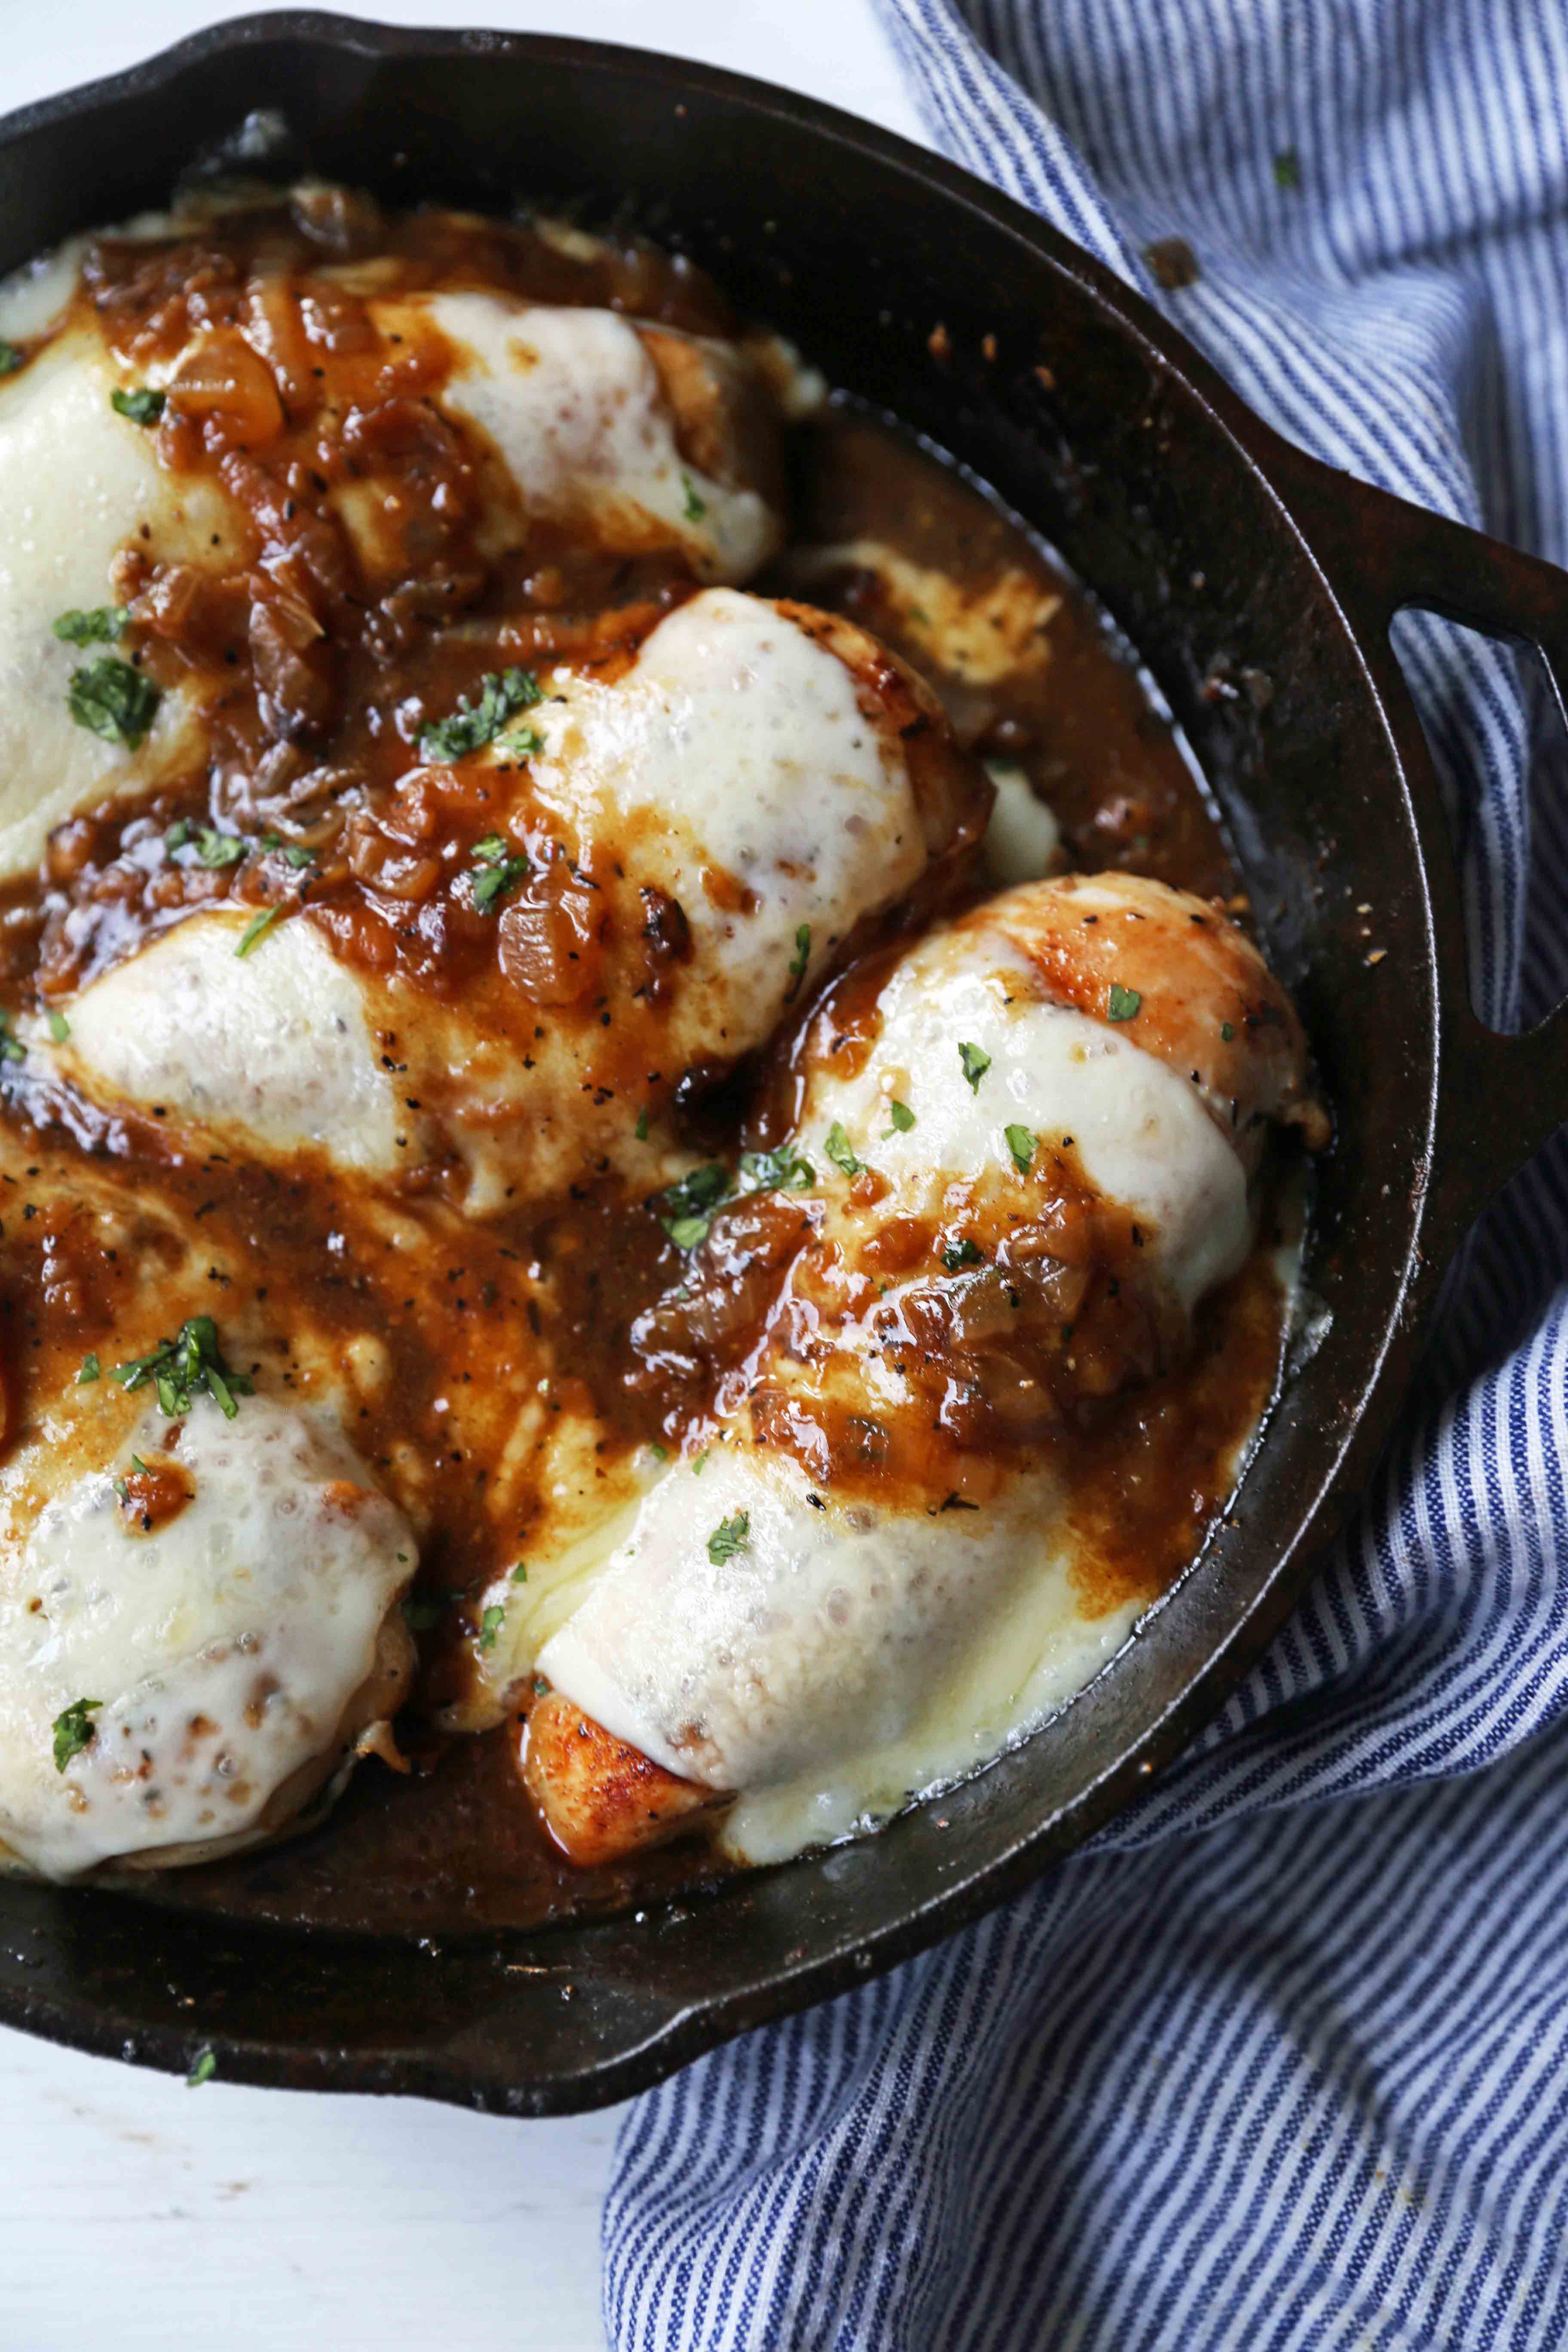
[{"x": 570, "y": 1290}]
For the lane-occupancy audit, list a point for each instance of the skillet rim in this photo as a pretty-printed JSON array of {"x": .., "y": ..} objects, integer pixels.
[{"x": 1286, "y": 478}]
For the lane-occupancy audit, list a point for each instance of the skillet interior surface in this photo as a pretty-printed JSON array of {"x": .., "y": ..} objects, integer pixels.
[{"x": 1097, "y": 424}]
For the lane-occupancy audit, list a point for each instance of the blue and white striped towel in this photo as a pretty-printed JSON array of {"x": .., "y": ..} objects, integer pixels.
[{"x": 1281, "y": 2061}]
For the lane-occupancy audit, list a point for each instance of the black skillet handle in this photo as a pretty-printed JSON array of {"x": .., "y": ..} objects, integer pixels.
[{"x": 1500, "y": 1097}]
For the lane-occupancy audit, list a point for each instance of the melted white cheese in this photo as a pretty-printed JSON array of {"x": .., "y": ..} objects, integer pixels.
[
  {"x": 746, "y": 737},
  {"x": 575, "y": 408},
  {"x": 1023, "y": 836},
  {"x": 225, "y": 1645},
  {"x": 77, "y": 481},
  {"x": 1141, "y": 1132},
  {"x": 272, "y": 1048},
  {"x": 843, "y": 1657}
]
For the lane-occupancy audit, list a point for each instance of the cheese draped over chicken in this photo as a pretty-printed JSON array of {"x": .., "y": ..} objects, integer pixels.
[
  {"x": 196, "y": 1625},
  {"x": 1045, "y": 1172},
  {"x": 683, "y": 849}
]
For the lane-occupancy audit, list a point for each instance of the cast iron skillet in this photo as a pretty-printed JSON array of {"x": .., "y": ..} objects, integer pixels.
[{"x": 1221, "y": 550}]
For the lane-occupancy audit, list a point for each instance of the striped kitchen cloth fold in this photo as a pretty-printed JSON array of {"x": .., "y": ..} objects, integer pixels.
[{"x": 1281, "y": 2061}]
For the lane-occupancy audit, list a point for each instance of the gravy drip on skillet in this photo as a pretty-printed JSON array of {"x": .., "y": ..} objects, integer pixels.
[{"x": 472, "y": 1344}]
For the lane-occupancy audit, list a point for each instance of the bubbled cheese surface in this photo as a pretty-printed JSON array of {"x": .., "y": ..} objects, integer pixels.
[{"x": 223, "y": 1646}]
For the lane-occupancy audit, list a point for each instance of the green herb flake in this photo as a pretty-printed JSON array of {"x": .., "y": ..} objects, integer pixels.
[
  {"x": 523, "y": 743},
  {"x": 216, "y": 849},
  {"x": 660, "y": 1453},
  {"x": 11, "y": 358},
  {"x": 11, "y": 1046},
  {"x": 59, "y": 1027},
  {"x": 90, "y": 1369},
  {"x": 1124, "y": 1003},
  {"x": 541, "y": 1685},
  {"x": 1227, "y": 1031},
  {"x": 186, "y": 1367},
  {"x": 137, "y": 1463},
  {"x": 121, "y": 1491},
  {"x": 902, "y": 1117},
  {"x": 964, "y": 1253},
  {"x": 1021, "y": 1142},
  {"x": 695, "y": 508},
  {"x": 100, "y": 626},
  {"x": 502, "y": 694},
  {"x": 519, "y": 1573},
  {"x": 178, "y": 834},
  {"x": 72, "y": 1730},
  {"x": 202, "y": 2071},
  {"x": 783, "y": 1171},
  {"x": 491, "y": 1625},
  {"x": 1287, "y": 169},
  {"x": 837, "y": 1150},
  {"x": 498, "y": 871},
  {"x": 701, "y": 1464},
  {"x": 730, "y": 1536},
  {"x": 799, "y": 960},
  {"x": 975, "y": 1064},
  {"x": 142, "y": 404},
  {"x": 641, "y": 1129},
  {"x": 111, "y": 700},
  {"x": 296, "y": 854},
  {"x": 257, "y": 929},
  {"x": 690, "y": 1204}
]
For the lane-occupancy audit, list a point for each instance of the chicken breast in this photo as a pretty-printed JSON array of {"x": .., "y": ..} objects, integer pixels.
[
  {"x": 639, "y": 894},
  {"x": 198, "y": 1624},
  {"x": 1010, "y": 1209}
]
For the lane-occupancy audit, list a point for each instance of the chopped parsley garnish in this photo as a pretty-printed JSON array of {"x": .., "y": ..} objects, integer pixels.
[
  {"x": 502, "y": 694},
  {"x": 1021, "y": 1142},
  {"x": 783, "y": 1171},
  {"x": 142, "y": 406},
  {"x": 113, "y": 700},
  {"x": 701, "y": 1464},
  {"x": 837, "y": 1150},
  {"x": 524, "y": 743},
  {"x": 690, "y": 1205},
  {"x": 137, "y": 1463},
  {"x": 90, "y": 1368},
  {"x": 975, "y": 1064},
  {"x": 121, "y": 1491},
  {"x": 72, "y": 1730},
  {"x": 177, "y": 835},
  {"x": 1227, "y": 1031},
  {"x": 202, "y": 2071},
  {"x": 216, "y": 849},
  {"x": 187, "y": 1366},
  {"x": 59, "y": 1027},
  {"x": 660, "y": 1453},
  {"x": 11, "y": 1046},
  {"x": 730, "y": 1536},
  {"x": 1123, "y": 1002},
  {"x": 641, "y": 1129},
  {"x": 902, "y": 1117},
  {"x": 519, "y": 1573},
  {"x": 695, "y": 508},
  {"x": 498, "y": 871},
  {"x": 257, "y": 929},
  {"x": 491, "y": 1625},
  {"x": 11, "y": 359},
  {"x": 800, "y": 960},
  {"x": 100, "y": 626},
  {"x": 296, "y": 854},
  {"x": 964, "y": 1253}
]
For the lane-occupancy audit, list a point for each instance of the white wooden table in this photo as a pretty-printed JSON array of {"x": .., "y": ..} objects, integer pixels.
[{"x": 134, "y": 2213}]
